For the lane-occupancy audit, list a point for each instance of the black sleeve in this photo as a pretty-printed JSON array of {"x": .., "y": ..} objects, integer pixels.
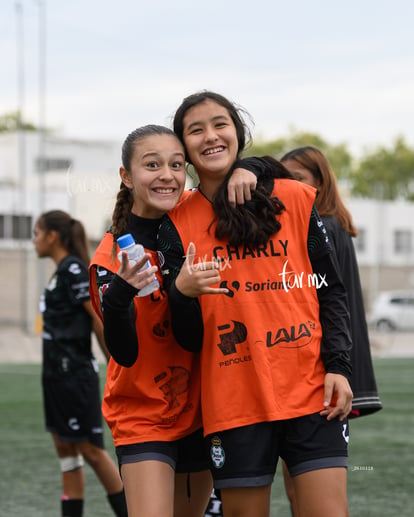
[
  {"x": 119, "y": 321},
  {"x": 336, "y": 341},
  {"x": 186, "y": 318},
  {"x": 253, "y": 164}
]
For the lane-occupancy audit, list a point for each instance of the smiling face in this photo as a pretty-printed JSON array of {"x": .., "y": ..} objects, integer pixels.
[
  {"x": 211, "y": 141},
  {"x": 156, "y": 176}
]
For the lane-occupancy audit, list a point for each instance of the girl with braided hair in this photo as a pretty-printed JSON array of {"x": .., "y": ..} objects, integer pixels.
[
  {"x": 70, "y": 381},
  {"x": 152, "y": 393}
]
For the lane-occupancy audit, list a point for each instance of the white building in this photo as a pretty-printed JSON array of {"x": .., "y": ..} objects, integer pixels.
[
  {"x": 385, "y": 244},
  {"x": 39, "y": 173}
]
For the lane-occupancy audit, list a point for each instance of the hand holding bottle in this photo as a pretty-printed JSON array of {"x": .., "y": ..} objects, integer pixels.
[{"x": 136, "y": 268}]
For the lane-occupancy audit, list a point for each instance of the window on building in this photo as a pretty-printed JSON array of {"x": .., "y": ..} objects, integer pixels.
[
  {"x": 402, "y": 241},
  {"x": 52, "y": 164},
  {"x": 22, "y": 226},
  {"x": 13, "y": 226},
  {"x": 360, "y": 240}
]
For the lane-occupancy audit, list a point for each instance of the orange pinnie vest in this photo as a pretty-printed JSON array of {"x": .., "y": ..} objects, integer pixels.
[
  {"x": 260, "y": 359},
  {"x": 158, "y": 398}
]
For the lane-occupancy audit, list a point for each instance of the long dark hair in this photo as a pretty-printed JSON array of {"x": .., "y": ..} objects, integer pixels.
[
  {"x": 71, "y": 232},
  {"x": 328, "y": 200},
  {"x": 256, "y": 220}
]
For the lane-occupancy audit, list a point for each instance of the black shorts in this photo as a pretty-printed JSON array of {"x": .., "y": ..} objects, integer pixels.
[
  {"x": 72, "y": 409},
  {"x": 188, "y": 454},
  {"x": 247, "y": 456}
]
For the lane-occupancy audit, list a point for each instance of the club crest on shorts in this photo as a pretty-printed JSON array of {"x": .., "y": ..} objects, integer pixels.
[{"x": 217, "y": 452}]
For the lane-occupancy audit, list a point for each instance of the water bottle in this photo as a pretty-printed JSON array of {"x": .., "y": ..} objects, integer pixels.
[{"x": 135, "y": 252}]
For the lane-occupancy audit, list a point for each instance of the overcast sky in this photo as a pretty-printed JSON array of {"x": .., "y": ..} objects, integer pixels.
[{"x": 344, "y": 70}]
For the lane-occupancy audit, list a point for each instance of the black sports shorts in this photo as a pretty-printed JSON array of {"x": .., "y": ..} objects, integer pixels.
[
  {"x": 72, "y": 409},
  {"x": 188, "y": 454},
  {"x": 247, "y": 456}
]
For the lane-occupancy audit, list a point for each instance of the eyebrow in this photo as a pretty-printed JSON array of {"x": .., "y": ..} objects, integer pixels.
[
  {"x": 214, "y": 119},
  {"x": 157, "y": 154}
]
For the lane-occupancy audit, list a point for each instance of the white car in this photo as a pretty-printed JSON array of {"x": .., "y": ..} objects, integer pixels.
[{"x": 393, "y": 310}]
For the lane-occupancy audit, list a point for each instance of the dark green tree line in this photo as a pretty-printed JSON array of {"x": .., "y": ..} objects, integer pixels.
[
  {"x": 382, "y": 172},
  {"x": 385, "y": 173}
]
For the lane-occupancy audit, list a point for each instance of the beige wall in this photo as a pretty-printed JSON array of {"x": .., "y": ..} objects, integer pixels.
[{"x": 23, "y": 277}]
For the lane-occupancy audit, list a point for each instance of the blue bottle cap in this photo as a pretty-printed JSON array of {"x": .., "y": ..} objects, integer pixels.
[{"x": 125, "y": 241}]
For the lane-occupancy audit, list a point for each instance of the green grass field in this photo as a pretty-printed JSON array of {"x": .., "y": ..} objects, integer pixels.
[{"x": 380, "y": 476}]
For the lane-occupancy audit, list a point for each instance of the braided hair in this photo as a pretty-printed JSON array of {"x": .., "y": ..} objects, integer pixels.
[{"x": 125, "y": 198}]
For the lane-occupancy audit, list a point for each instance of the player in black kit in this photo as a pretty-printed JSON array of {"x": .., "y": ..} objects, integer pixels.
[{"x": 70, "y": 381}]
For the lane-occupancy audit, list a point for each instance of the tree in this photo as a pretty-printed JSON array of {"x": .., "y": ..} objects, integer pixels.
[
  {"x": 385, "y": 173},
  {"x": 12, "y": 122},
  {"x": 338, "y": 155}
]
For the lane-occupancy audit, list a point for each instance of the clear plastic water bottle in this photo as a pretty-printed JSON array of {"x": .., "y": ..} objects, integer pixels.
[{"x": 135, "y": 252}]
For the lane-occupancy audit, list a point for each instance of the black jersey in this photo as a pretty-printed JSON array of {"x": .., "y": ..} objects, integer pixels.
[
  {"x": 67, "y": 326},
  {"x": 366, "y": 399}
]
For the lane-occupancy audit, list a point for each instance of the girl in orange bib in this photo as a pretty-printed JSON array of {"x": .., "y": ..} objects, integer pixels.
[
  {"x": 152, "y": 392},
  {"x": 255, "y": 289}
]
